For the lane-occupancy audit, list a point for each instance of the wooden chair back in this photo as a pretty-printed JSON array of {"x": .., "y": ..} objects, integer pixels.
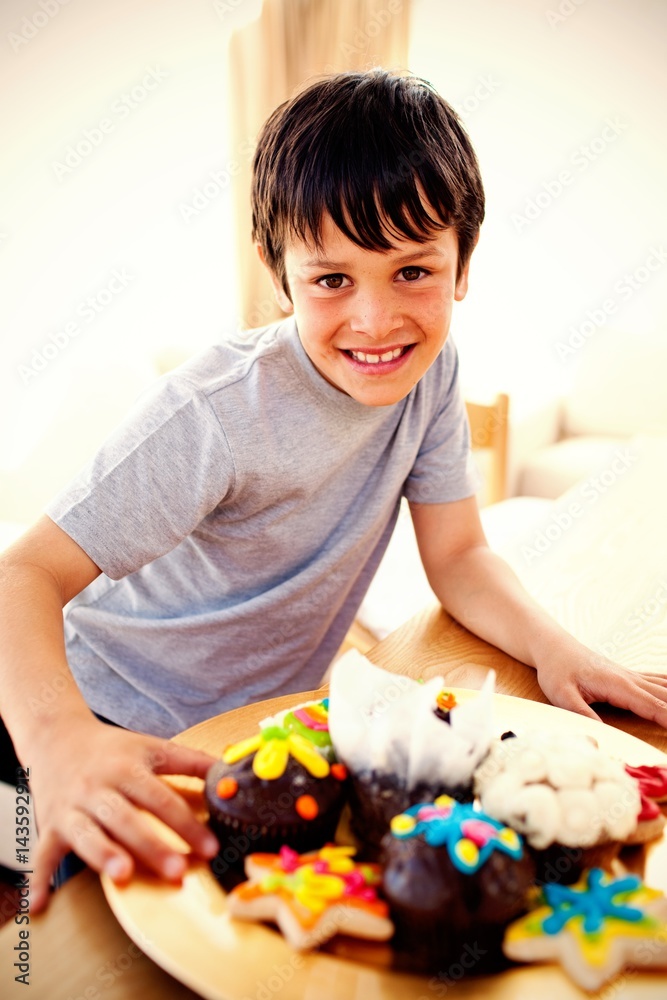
[{"x": 488, "y": 430}]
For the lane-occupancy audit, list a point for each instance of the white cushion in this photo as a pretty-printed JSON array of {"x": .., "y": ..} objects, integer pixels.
[{"x": 400, "y": 588}]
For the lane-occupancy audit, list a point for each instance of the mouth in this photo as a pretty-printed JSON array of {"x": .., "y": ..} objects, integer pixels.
[{"x": 380, "y": 359}]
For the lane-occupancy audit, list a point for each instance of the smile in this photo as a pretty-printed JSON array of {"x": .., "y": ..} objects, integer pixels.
[{"x": 376, "y": 358}]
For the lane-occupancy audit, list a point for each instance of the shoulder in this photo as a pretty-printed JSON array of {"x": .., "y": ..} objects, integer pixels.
[{"x": 233, "y": 361}]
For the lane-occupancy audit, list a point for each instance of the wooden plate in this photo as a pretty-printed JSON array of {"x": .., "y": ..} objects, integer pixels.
[{"x": 187, "y": 931}]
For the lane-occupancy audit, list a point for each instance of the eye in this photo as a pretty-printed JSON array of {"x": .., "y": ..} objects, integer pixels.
[
  {"x": 333, "y": 281},
  {"x": 412, "y": 273}
]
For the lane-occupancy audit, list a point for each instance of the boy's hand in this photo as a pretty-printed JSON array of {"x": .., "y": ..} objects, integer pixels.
[
  {"x": 574, "y": 681},
  {"x": 89, "y": 782}
]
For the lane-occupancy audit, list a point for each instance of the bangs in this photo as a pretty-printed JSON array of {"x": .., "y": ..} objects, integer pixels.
[{"x": 373, "y": 192}]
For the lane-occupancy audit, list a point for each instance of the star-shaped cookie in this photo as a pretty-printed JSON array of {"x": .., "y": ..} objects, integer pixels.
[
  {"x": 594, "y": 928},
  {"x": 312, "y": 897}
]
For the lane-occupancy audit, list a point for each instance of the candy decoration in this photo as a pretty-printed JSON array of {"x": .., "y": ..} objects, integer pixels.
[
  {"x": 272, "y": 748},
  {"x": 307, "y": 807},
  {"x": 339, "y": 771},
  {"x": 311, "y": 721},
  {"x": 446, "y": 701},
  {"x": 468, "y": 834},
  {"x": 227, "y": 788},
  {"x": 271, "y": 759},
  {"x": 652, "y": 780}
]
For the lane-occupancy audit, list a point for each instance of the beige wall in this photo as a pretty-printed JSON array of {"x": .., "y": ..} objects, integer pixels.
[{"x": 537, "y": 83}]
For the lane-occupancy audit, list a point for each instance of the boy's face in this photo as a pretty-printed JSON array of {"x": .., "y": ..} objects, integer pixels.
[{"x": 372, "y": 323}]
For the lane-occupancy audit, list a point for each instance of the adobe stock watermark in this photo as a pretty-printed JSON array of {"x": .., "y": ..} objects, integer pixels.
[
  {"x": 579, "y": 161},
  {"x": 32, "y": 25},
  {"x": 470, "y": 957},
  {"x": 87, "y": 311},
  {"x": 224, "y": 7},
  {"x": 485, "y": 88},
  {"x": 623, "y": 290},
  {"x": 93, "y": 137},
  {"x": 590, "y": 491},
  {"x": 565, "y": 9},
  {"x": 217, "y": 182}
]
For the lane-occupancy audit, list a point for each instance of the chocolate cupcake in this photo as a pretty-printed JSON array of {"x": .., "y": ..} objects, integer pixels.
[
  {"x": 272, "y": 789},
  {"x": 575, "y": 805},
  {"x": 402, "y": 742},
  {"x": 454, "y": 878}
]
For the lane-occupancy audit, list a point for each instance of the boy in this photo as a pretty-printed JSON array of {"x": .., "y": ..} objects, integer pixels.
[{"x": 221, "y": 542}]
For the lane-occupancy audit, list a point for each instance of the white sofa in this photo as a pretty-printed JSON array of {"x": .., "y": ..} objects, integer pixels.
[{"x": 619, "y": 390}]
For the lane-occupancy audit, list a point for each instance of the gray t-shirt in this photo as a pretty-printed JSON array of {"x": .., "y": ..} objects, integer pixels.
[{"x": 238, "y": 516}]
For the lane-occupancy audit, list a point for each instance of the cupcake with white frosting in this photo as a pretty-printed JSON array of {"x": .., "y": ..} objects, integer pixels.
[
  {"x": 398, "y": 751},
  {"x": 573, "y": 803}
]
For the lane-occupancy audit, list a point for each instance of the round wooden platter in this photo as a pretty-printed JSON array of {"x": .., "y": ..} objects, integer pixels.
[{"x": 187, "y": 931}]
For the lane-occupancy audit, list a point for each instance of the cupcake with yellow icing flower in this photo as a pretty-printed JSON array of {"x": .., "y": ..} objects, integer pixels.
[{"x": 280, "y": 786}]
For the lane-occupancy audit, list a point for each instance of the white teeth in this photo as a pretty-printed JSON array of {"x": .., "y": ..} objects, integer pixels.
[{"x": 373, "y": 359}]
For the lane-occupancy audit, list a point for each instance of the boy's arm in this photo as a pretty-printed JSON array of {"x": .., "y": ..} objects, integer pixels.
[
  {"x": 89, "y": 780},
  {"x": 481, "y": 591}
]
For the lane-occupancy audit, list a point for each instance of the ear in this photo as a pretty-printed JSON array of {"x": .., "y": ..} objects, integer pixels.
[
  {"x": 282, "y": 297},
  {"x": 461, "y": 287}
]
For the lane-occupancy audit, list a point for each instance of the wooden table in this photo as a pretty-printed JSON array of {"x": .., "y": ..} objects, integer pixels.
[{"x": 79, "y": 951}]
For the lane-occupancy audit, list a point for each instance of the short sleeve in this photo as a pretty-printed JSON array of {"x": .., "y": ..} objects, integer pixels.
[
  {"x": 444, "y": 469},
  {"x": 153, "y": 481}
]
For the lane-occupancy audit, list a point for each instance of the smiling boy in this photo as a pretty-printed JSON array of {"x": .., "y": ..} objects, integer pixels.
[{"x": 216, "y": 549}]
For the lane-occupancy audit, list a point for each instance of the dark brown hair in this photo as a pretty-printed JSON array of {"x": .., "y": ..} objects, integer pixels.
[{"x": 368, "y": 149}]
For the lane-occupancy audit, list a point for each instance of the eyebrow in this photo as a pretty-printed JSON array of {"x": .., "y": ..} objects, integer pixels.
[{"x": 406, "y": 258}]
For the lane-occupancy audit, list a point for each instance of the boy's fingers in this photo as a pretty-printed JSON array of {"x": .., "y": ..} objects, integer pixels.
[
  {"x": 169, "y": 758},
  {"x": 570, "y": 698},
  {"x": 133, "y": 829},
  {"x": 91, "y": 843},
  {"x": 643, "y": 703},
  {"x": 156, "y": 796},
  {"x": 49, "y": 853},
  {"x": 656, "y": 683}
]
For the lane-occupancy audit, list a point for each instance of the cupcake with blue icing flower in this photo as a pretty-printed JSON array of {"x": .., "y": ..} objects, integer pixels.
[{"x": 454, "y": 878}]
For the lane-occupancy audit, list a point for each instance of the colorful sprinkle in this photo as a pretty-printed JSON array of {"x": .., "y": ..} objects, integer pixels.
[
  {"x": 339, "y": 771},
  {"x": 227, "y": 788},
  {"x": 239, "y": 750},
  {"x": 446, "y": 701},
  {"x": 271, "y": 759},
  {"x": 307, "y": 807},
  {"x": 402, "y": 825},
  {"x": 272, "y": 748},
  {"x": 318, "y": 880}
]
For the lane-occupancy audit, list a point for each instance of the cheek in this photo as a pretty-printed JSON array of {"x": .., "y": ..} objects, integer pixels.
[{"x": 435, "y": 312}]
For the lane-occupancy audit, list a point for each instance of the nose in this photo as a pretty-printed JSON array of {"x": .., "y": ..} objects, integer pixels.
[{"x": 375, "y": 315}]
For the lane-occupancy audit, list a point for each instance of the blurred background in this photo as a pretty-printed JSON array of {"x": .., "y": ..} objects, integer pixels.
[{"x": 128, "y": 132}]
